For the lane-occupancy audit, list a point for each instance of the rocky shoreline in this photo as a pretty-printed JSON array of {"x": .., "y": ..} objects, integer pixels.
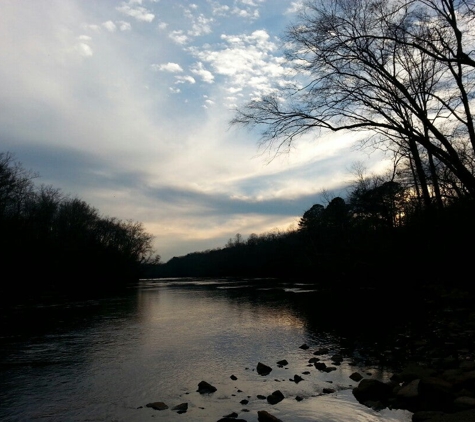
[{"x": 433, "y": 370}]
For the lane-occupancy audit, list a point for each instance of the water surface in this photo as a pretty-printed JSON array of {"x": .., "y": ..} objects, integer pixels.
[{"x": 104, "y": 359}]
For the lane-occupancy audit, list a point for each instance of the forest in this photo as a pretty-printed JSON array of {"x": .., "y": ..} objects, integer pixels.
[{"x": 49, "y": 239}]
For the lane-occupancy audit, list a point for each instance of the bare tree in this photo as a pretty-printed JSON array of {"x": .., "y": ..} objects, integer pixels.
[{"x": 402, "y": 70}]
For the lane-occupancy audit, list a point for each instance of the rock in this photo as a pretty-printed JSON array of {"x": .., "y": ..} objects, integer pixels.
[
  {"x": 158, "y": 405},
  {"x": 297, "y": 379},
  {"x": 181, "y": 408},
  {"x": 337, "y": 359},
  {"x": 356, "y": 376},
  {"x": 205, "y": 388},
  {"x": 233, "y": 377},
  {"x": 263, "y": 416},
  {"x": 244, "y": 401},
  {"x": 298, "y": 398},
  {"x": 464, "y": 402},
  {"x": 436, "y": 393},
  {"x": 263, "y": 369},
  {"x": 313, "y": 360},
  {"x": 231, "y": 415},
  {"x": 282, "y": 362},
  {"x": 306, "y": 372},
  {"x": 465, "y": 416},
  {"x": 231, "y": 420},
  {"x": 320, "y": 366},
  {"x": 329, "y": 369},
  {"x": 409, "y": 391},
  {"x": 328, "y": 390},
  {"x": 261, "y": 397},
  {"x": 321, "y": 351},
  {"x": 371, "y": 389},
  {"x": 304, "y": 347},
  {"x": 275, "y": 397}
]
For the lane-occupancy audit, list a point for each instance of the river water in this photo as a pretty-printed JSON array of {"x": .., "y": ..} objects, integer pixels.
[{"x": 104, "y": 359}]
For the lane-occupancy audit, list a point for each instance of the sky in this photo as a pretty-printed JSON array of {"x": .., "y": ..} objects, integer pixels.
[{"x": 127, "y": 106}]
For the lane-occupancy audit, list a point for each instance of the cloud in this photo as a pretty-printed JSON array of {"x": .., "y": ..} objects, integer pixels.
[
  {"x": 246, "y": 13},
  {"x": 168, "y": 67},
  {"x": 248, "y": 62},
  {"x": 200, "y": 25},
  {"x": 179, "y": 37},
  {"x": 183, "y": 79},
  {"x": 137, "y": 12},
  {"x": 205, "y": 75},
  {"x": 124, "y": 26},
  {"x": 84, "y": 49},
  {"x": 295, "y": 7},
  {"x": 219, "y": 9},
  {"x": 110, "y": 26}
]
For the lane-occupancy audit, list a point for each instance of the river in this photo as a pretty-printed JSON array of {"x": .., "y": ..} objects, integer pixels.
[{"x": 105, "y": 359}]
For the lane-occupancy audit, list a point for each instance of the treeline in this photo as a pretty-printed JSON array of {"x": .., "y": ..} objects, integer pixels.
[
  {"x": 381, "y": 234},
  {"x": 49, "y": 239}
]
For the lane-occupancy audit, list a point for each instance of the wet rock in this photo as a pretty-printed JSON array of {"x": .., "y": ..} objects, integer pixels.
[
  {"x": 320, "y": 366},
  {"x": 158, "y": 405},
  {"x": 205, "y": 388},
  {"x": 181, "y": 408},
  {"x": 275, "y": 397},
  {"x": 263, "y": 369},
  {"x": 371, "y": 389},
  {"x": 356, "y": 376},
  {"x": 321, "y": 351},
  {"x": 313, "y": 360},
  {"x": 304, "y": 347},
  {"x": 264, "y": 416}
]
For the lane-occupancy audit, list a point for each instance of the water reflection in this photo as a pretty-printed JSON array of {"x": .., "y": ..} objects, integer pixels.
[{"x": 104, "y": 359}]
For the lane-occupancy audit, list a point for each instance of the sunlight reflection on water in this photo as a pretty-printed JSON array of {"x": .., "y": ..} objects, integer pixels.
[{"x": 106, "y": 359}]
